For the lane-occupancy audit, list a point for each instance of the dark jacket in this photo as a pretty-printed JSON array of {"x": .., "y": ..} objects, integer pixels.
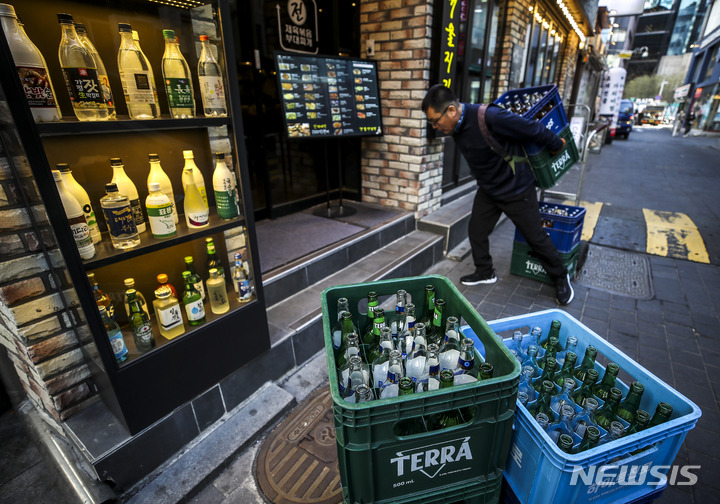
[{"x": 494, "y": 176}]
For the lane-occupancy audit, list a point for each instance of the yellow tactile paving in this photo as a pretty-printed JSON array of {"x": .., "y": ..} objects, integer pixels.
[
  {"x": 592, "y": 212},
  {"x": 674, "y": 234}
]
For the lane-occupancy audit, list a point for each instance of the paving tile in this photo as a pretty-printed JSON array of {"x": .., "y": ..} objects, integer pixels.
[
  {"x": 596, "y": 314},
  {"x": 674, "y": 495},
  {"x": 681, "y": 331},
  {"x": 623, "y": 327},
  {"x": 704, "y": 494},
  {"x": 683, "y": 319}
]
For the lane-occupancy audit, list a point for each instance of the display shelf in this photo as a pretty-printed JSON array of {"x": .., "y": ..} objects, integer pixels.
[
  {"x": 71, "y": 126},
  {"x": 106, "y": 254}
]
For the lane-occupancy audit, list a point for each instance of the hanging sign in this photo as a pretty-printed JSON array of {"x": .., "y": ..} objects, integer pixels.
[
  {"x": 449, "y": 41},
  {"x": 297, "y": 26}
]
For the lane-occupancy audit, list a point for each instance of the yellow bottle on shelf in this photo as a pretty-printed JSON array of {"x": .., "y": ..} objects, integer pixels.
[
  {"x": 168, "y": 313},
  {"x": 192, "y": 172}
]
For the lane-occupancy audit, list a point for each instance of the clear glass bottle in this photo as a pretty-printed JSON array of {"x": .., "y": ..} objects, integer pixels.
[
  {"x": 343, "y": 306},
  {"x": 115, "y": 336},
  {"x": 586, "y": 418},
  {"x": 212, "y": 88},
  {"x": 139, "y": 322},
  {"x": 385, "y": 342},
  {"x": 82, "y": 197},
  {"x": 163, "y": 281},
  {"x": 192, "y": 301},
  {"x": 129, "y": 284},
  {"x": 137, "y": 77},
  {"x": 615, "y": 432},
  {"x": 196, "y": 279},
  {"x": 564, "y": 398},
  {"x": 217, "y": 292},
  {"x": 350, "y": 349},
  {"x": 602, "y": 389},
  {"x": 525, "y": 383},
  {"x": 241, "y": 280},
  {"x": 224, "y": 189},
  {"x": 363, "y": 393},
  {"x": 31, "y": 68},
  {"x": 628, "y": 406},
  {"x": 76, "y": 219},
  {"x": 467, "y": 370},
  {"x": 531, "y": 360},
  {"x": 178, "y": 83},
  {"x": 415, "y": 362},
  {"x": 570, "y": 346},
  {"x": 157, "y": 174},
  {"x": 101, "y": 298},
  {"x": 395, "y": 372},
  {"x": 430, "y": 377},
  {"x": 450, "y": 350},
  {"x": 356, "y": 376},
  {"x": 516, "y": 344},
  {"x": 127, "y": 187},
  {"x": 192, "y": 172},
  {"x": 168, "y": 313},
  {"x": 80, "y": 73},
  {"x": 102, "y": 72},
  {"x": 406, "y": 339},
  {"x": 380, "y": 359},
  {"x": 160, "y": 213},
  {"x": 542, "y": 420},
  {"x": 213, "y": 261},
  {"x": 562, "y": 424},
  {"x": 532, "y": 338},
  {"x": 586, "y": 389},
  {"x": 523, "y": 398},
  {"x": 397, "y": 319}
]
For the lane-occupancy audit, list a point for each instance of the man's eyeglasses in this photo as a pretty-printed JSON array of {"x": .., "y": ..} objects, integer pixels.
[{"x": 434, "y": 122}]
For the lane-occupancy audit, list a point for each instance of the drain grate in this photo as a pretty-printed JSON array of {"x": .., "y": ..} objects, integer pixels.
[
  {"x": 617, "y": 271},
  {"x": 298, "y": 461}
]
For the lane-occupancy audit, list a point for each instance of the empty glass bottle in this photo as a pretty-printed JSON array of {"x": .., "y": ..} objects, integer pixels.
[
  {"x": 565, "y": 397},
  {"x": 367, "y": 331},
  {"x": 407, "y": 338},
  {"x": 430, "y": 377},
  {"x": 450, "y": 350},
  {"x": 212, "y": 89},
  {"x": 663, "y": 412},
  {"x": 516, "y": 344},
  {"x": 447, "y": 418},
  {"x": 554, "y": 331},
  {"x": 531, "y": 360},
  {"x": 363, "y": 393},
  {"x": 137, "y": 77},
  {"x": 428, "y": 311},
  {"x": 395, "y": 373},
  {"x": 346, "y": 327},
  {"x": 356, "y": 376},
  {"x": 467, "y": 369},
  {"x": 606, "y": 415},
  {"x": 565, "y": 443},
  {"x": 343, "y": 306},
  {"x": 532, "y": 338},
  {"x": 628, "y": 406},
  {"x": 570, "y": 346},
  {"x": 397, "y": 319},
  {"x": 616, "y": 430},
  {"x": 568, "y": 368},
  {"x": 585, "y": 418},
  {"x": 415, "y": 363},
  {"x": 486, "y": 370},
  {"x": 380, "y": 358},
  {"x": 139, "y": 323},
  {"x": 562, "y": 424},
  {"x": 586, "y": 389},
  {"x": 525, "y": 383},
  {"x": 436, "y": 330},
  {"x": 351, "y": 346},
  {"x": 548, "y": 374},
  {"x": 588, "y": 362},
  {"x": 639, "y": 423},
  {"x": 542, "y": 404},
  {"x": 590, "y": 439},
  {"x": 542, "y": 420},
  {"x": 602, "y": 389},
  {"x": 553, "y": 347},
  {"x": 523, "y": 398}
]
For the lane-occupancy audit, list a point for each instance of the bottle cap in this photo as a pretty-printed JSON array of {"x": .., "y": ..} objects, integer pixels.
[
  {"x": 130, "y": 292},
  {"x": 163, "y": 292},
  {"x": 115, "y": 161},
  {"x": 169, "y": 34},
  {"x": 162, "y": 278},
  {"x": 213, "y": 272},
  {"x": 91, "y": 276},
  {"x": 153, "y": 157},
  {"x": 80, "y": 28},
  {"x": 63, "y": 167},
  {"x": 124, "y": 27},
  {"x": 203, "y": 38},
  {"x": 238, "y": 256},
  {"x": 111, "y": 187},
  {"x": 220, "y": 155},
  {"x": 188, "y": 154},
  {"x": 7, "y": 10},
  {"x": 64, "y": 18},
  {"x": 188, "y": 259},
  {"x": 208, "y": 239},
  {"x": 57, "y": 176},
  {"x": 129, "y": 282},
  {"x": 154, "y": 186},
  {"x": 186, "y": 275}
]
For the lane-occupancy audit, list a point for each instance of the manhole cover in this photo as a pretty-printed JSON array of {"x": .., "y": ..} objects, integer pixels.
[
  {"x": 616, "y": 271},
  {"x": 298, "y": 461}
]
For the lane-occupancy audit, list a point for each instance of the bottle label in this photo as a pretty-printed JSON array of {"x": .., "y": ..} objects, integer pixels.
[
  {"x": 200, "y": 288},
  {"x": 198, "y": 219},
  {"x": 160, "y": 216},
  {"x": 138, "y": 88},
  {"x": 105, "y": 90},
  {"x": 242, "y": 288},
  {"x": 170, "y": 317},
  {"x": 90, "y": 216},
  {"x": 81, "y": 234},
  {"x": 195, "y": 310},
  {"x": 179, "y": 92},
  {"x": 226, "y": 207},
  {"x": 137, "y": 212},
  {"x": 118, "y": 345},
  {"x": 212, "y": 92},
  {"x": 120, "y": 221},
  {"x": 84, "y": 87},
  {"x": 36, "y": 84},
  {"x": 143, "y": 333}
]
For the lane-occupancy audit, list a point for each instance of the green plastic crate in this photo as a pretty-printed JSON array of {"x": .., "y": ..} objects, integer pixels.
[
  {"x": 525, "y": 263},
  {"x": 459, "y": 463},
  {"x": 548, "y": 169}
]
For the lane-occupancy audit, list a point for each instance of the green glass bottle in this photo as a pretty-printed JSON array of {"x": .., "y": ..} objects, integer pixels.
[
  {"x": 542, "y": 405},
  {"x": 590, "y": 440},
  {"x": 663, "y": 412},
  {"x": 192, "y": 301},
  {"x": 548, "y": 374},
  {"x": 373, "y": 341},
  {"x": 565, "y": 442},
  {"x": 627, "y": 408},
  {"x": 602, "y": 389},
  {"x": 196, "y": 280},
  {"x": 588, "y": 362},
  {"x": 437, "y": 327},
  {"x": 552, "y": 350},
  {"x": 212, "y": 259},
  {"x": 451, "y": 417},
  {"x": 640, "y": 422},
  {"x": 429, "y": 306},
  {"x": 586, "y": 389},
  {"x": 139, "y": 322},
  {"x": 567, "y": 370},
  {"x": 606, "y": 415},
  {"x": 554, "y": 331},
  {"x": 486, "y": 370},
  {"x": 367, "y": 332}
]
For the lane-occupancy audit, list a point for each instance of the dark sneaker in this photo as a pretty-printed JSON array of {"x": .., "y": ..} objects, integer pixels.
[
  {"x": 479, "y": 278},
  {"x": 563, "y": 290}
]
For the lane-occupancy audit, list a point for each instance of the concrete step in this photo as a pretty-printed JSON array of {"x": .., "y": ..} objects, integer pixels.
[{"x": 450, "y": 221}]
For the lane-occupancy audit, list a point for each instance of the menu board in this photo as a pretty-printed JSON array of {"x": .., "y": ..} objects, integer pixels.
[{"x": 328, "y": 96}]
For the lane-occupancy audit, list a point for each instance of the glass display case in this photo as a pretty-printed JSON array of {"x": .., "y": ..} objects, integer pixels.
[{"x": 146, "y": 385}]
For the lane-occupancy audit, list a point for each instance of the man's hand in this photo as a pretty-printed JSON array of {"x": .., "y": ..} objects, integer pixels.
[{"x": 554, "y": 153}]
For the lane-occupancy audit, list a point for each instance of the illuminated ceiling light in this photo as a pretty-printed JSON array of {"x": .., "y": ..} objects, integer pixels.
[
  {"x": 531, "y": 8},
  {"x": 571, "y": 20}
]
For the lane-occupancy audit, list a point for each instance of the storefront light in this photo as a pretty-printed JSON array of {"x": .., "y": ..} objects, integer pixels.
[
  {"x": 185, "y": 4},
  {"x": 571, "y": 20}
]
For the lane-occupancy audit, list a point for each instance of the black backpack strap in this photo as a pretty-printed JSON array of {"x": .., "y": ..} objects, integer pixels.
[{"x": 493, "y": 142}]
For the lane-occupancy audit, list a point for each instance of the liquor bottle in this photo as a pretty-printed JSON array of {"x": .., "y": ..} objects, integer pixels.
[
  {"x": 139, "y": 322},
  {"x": 82, "y": 197},
  {"x": 224, "y": 189},
  {"x": 76, "y": 219},
  {"x": 80, "y": 73},
  {"x": 178, "y": 84},
  {"x": 102, "y": 72},
  {"x": 523, "y": 398},
  {"x": 241, "y": 280},
  {"x": 380, "y": 358},
  {"x": 350, "y": 349},
  {"x": 548, "y": 374},
  {"x": 430, "y": 377},
  {"x": 586, "y": 389},
  {"x": 639, "y": 423},
  {"x": 162, "y": 279},
  {"x": 130, "y": 285},
  {"x": 119, "y": 218},
  {"x": 565, "y": 443},
  {"x": 408, "y": 426},
  {"x": 127, "y": 187},
  {"x": 451, "y": 417},
  {"x": 542, "y": 420},
  {"x": 372, "y": 304},
  {"x": 564, "y": 398},
  {"x": 192, "y": 172},
  {"x": 343, "y": 306},
  {"x": 606, "y": 415},
  {"x": 101, "y": 298},
  {"x": 406, "y": 339},
  {"x": 212, "y": 89},
  {"x": 428, "y": 311},
  {"x": 217, "y": 292},
  {"x": 525, "y": 383},
  {"x": 516, "y": 344},
  {"x": 31, "y": 68},
  {"x": 586, "y": 418},
  {"x": 486, "y": 370},
  {"x": 192, "y": 301},
  {"x": 628, "y": 406},
  {"x": 213, "y": 261},
  {"x": 531, "y": 360},
  {"x": 160, "y": 213},
  {"x": 397, "y": 319},
  {"x": 571, "y": 346},
  {"x": 356, "y": 376},
  {"x": 363, "y": 393},
  {"x": 115, "y": 336},
  {"x": 168, "y": 313},
  {"x": 157, "y": 174},
  {"x": 468, "y": 370},
  {"x": 437, "y": 325},
  {"x": 196, "y": 279},
  {"x": 372, "y": 339},
  {"x": 553, "y": 347},
  {"x": 385, "y": 341},
  {"x": 663, "y": 412},
  {"x": 616, "y": 430},
  {"x": 533, "y": 338},
  {"x": 590, "y": 439},
  {"x": 588, "y": 362},
  {"x": 415, "y": 361},
  {"x": 542, "y": 405},
  {"x": 555, "y": 326},
  {"x": 394, "y": 374},
  {"x": 450, "y": 350},
  {"x": 562, "y": 424},
  {"x": 567, "y": 370},
  {"x": 137, "y": 77},
  {"x": 602, "y": 389}
]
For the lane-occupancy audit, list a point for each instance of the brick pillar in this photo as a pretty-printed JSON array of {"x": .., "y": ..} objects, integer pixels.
[
  {"x": 402, "y": 168},
  {"x": 37, "y": 302}
]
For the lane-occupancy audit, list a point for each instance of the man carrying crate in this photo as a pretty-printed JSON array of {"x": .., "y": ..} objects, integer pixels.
[{"x": 506, "y": 183}]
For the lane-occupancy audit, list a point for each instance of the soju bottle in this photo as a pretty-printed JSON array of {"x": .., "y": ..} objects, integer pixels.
[
  {"x": 380, "y": 358},
  {"x": 76, "y": 219},
  {"x": 343, "y": 306},
  {"x": 191, "y": 172},
  {"x": 516, "y": 344},
  {"x": 586, "y": 389},
  {"x": 568, "y": 369},
  {"x": 119, "y": 218},
  {"x": 168, "y": 313},
  {"x": 212, "y": 89},
  {"x": 542, "y": 405},
  {"x": 602, "y": 389},
  {"x": 116, "y": 339},
  {"x": 430, "y": 377},
  {"x": 213, "y": 261},
  {"x": 562, "y": 424},
  {"x": 196, "y": 279},
  {"x": 406, "y": 340},
  {"x": 552, "y": 350},
  {"x": 564, "y": 398},
  {"x": 523, "y": 398},
  {"x": 82, "y": 197},
  {"x": 663, "y": 412},
  {"x": 224, "y": 189},
  {"x": 428, "y": 311},
  {"x": 356, "y": 376},
  {"x": 590, "y": 439},
  {"x": 450, "y": 350},
  {"x": 102, "y": 72},
  {"x": 542, "y": 420},
  {"x": 554, "y": 331},
  {"x": 139, "y": 323},
  {"x": 437, "y": 333},
  {"x": 192, "y": 301},
  {"x": 217, "y": 292},
  {"x": 160, "y": 213},
  {"x": 241, "y": 279},
  {"x": 415, "y": 363},
  {"x": 80, "y": 73},
  {"x": 390, "y": 387},
  {"x": 533, "y": 338},
  {"x": 448, "y": 418},
  {"x": 157, "y": 174},
  {"x": 606, "y": 415},
  {"x": 571, "y": 346},
  {"x": 178, "y": 84},
  {"x": 639, "y": 423},
  {"x": 351, "y": 348},
  {"x": 127, "y": 187},
  {"x": 587, "y": 363},
  {"x": 467, "y": 370},
  {"x": 616, "y": 430},
  {"x": 586, "y": 418},
  {"x": 101, "y": 298},
  {"x": 548, "y": 374},
  {"x": 137, "y": 77},
  {"x": 565, "y": 443},
  {"x": 397, "y": 319},
  {"x": 525, "y": 383},
  {"x": 628, "y": 406},
  {"x": 408, "y": 426},
  {"x": 367, "y": 331},
  {"x": 531, "y": 360}
]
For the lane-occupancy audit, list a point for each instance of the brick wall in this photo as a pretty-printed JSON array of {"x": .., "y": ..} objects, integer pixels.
[{"x": 37, "y": 302}]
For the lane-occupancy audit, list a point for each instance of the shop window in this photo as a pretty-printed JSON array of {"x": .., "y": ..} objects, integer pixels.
[
  {"x": 542, "y": 50},
  {"x": 710, "y": 63}
]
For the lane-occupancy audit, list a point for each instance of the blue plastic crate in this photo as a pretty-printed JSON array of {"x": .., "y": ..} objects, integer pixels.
[
  {"x": 561, "y": 222},
  {"x": 564, "y": 241},
  {"x": 539, "y": 472}
]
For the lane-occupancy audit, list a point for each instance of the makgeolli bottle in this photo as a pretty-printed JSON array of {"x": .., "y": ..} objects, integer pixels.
[
  {"x": 76, "y": 219},
  {"x": 224, "y": 189},
  {"x": 157, "y": 174},
  {"x": 81, "y": 195}
]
